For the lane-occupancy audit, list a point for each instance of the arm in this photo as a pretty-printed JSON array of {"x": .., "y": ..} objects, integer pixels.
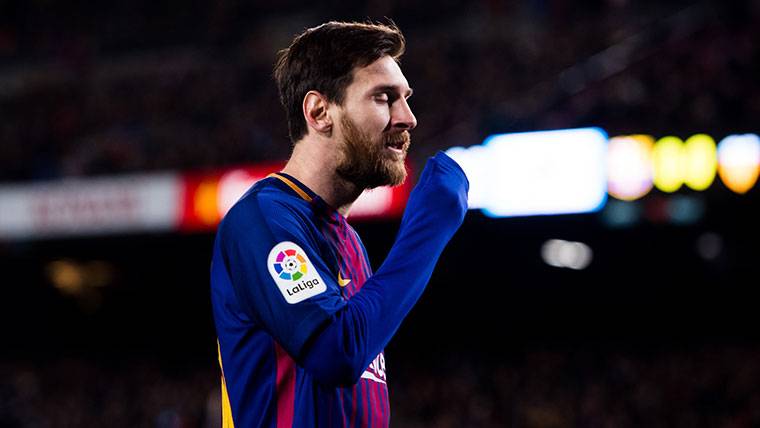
[{"x": 339, "y": 352}]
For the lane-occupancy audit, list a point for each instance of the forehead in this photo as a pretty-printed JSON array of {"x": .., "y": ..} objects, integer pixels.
[{"x": 383, "y": 72}]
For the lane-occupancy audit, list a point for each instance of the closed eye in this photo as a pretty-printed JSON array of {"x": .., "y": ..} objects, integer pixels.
[
  {"x": 386, "y": 97},
  {"x": 389, "y": 93}
]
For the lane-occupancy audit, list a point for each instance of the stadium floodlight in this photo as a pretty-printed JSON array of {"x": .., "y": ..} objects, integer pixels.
[
  {"x": 629, "y": 166},
  {"x": 701, "y": 161},
  {"x": 567, "y": 254},
  {"x": 537, "y": 173},
  {"x": 739, "y": 161},
  {"x": 669, "y": 164}
]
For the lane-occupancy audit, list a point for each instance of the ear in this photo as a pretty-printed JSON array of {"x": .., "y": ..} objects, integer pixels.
[{"x": 315, "y": 112}]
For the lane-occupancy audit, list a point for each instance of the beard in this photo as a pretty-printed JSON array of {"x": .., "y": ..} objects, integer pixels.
[{"x": 366, "y": 162}]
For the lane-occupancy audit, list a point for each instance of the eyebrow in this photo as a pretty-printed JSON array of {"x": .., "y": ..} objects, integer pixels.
[{"x": 391, "y": 88}]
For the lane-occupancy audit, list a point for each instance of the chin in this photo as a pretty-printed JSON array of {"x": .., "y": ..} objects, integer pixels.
[{"x": 395, "y": 173}]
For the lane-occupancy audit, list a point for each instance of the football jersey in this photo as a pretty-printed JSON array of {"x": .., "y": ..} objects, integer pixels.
[
  {"x": 284, "y": 262},
  {"x": 300, "y": 317}
]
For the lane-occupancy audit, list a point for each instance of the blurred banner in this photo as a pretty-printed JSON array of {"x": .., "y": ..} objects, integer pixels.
[
  {"x": 566, "y": 171},
  {"x": 572, "y": 171},
  {"x": 168, "y": 202},
  {"x": 208, "y": 196},
  {"x": 94, "y": 206},
  {"x": 536, "y": 173}
]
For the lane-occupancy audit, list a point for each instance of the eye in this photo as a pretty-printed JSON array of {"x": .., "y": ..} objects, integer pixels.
[{"x": 382, "y": 97}]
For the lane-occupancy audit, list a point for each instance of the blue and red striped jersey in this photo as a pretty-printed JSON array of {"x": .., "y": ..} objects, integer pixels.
[
  {"x": 300, "y": 317},
  {"x": 264, "y": 319}
]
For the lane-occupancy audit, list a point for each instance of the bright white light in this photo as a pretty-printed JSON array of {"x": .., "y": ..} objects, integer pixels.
[
  {"x": 537, "y": 173},
  {"x": 550, "y": 252},
  {"x": 739, "y": 161},
  {"x": 582, "y": 256},
  {"x": 472, "y": 161},
  {"x": 629, "y": 164},
  {"x": 566, "y": 254}
]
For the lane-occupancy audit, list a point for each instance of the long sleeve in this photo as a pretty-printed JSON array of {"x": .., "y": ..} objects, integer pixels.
[{"x": 339, "y": 352}]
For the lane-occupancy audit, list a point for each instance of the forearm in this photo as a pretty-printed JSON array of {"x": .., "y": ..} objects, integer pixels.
[{"x": 359, "y": 331}]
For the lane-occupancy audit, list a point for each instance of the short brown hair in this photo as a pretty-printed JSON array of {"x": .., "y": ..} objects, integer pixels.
[{"x": 323, "y": 59}]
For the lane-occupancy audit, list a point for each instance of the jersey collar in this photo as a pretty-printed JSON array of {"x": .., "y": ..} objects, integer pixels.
[
  {"x": 304, "y": 192},
  {"x": 308, "y": 195}
]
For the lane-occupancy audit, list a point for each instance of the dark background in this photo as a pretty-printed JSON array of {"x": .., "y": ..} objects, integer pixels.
[{"x": 653, "y": 333}]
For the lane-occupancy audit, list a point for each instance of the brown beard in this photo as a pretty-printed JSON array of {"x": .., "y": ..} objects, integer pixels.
[{"x": 365, "y": 162}]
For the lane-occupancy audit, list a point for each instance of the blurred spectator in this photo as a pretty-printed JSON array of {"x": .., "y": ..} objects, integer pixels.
[
  {"x": 193, "y": 90},
  {"x": 82, "y": 393},
  {"x": 708, "y": 387},
  {"x": 137, "y": 86}
]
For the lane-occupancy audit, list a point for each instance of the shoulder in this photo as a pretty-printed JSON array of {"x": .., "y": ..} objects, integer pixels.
[{"x": 267, "y": 206}]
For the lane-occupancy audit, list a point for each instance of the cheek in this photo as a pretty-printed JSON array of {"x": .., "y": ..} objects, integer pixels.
[
  {"x": 381, "y": 117},
  {"x": 372, "y": 117}
]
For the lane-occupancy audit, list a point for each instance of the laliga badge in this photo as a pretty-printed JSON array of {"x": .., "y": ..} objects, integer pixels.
[{"x": 294, "y": 274}]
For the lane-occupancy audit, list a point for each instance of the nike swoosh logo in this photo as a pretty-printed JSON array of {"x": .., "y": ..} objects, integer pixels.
[{"x": 342, "y": 282}]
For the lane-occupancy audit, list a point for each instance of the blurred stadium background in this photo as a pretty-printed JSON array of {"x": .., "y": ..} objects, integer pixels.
[{"x": 126, "y": 128}]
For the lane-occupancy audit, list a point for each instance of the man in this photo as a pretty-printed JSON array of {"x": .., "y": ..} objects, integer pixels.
[{"x": 301, "y": 319}]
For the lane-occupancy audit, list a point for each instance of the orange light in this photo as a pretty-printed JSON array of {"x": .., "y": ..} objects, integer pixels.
[
  {"x": 739, "y": 161},
  {"x": 205, "y": 202}
]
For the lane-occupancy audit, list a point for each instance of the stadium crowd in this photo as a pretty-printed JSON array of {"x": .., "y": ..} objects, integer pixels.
[
  {"x": 665, "y": 387},
  {"x": 109, "y": 93},
  {"x": 104, "y": 90}
]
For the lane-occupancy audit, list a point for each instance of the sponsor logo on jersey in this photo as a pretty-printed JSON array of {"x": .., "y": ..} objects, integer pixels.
[
  {"x": 293, "y": 273},
  {"x": 376, "y": 369}
]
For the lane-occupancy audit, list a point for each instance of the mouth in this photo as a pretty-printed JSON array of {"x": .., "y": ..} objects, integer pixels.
[
  {"x": 398, "y": 145},
  {"x": 395, "y": 147}
]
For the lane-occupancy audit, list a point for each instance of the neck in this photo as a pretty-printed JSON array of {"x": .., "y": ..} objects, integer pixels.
[{"x": 313, "y": 163}]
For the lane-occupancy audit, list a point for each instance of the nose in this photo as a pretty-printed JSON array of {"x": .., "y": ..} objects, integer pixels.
[{"x": 402, "y": 116}]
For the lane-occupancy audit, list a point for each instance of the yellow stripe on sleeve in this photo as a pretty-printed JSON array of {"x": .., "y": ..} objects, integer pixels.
[{"x": 227, "y": 421}]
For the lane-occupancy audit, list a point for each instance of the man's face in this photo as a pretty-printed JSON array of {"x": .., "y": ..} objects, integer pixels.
[{"x": 373, "y": 126}]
